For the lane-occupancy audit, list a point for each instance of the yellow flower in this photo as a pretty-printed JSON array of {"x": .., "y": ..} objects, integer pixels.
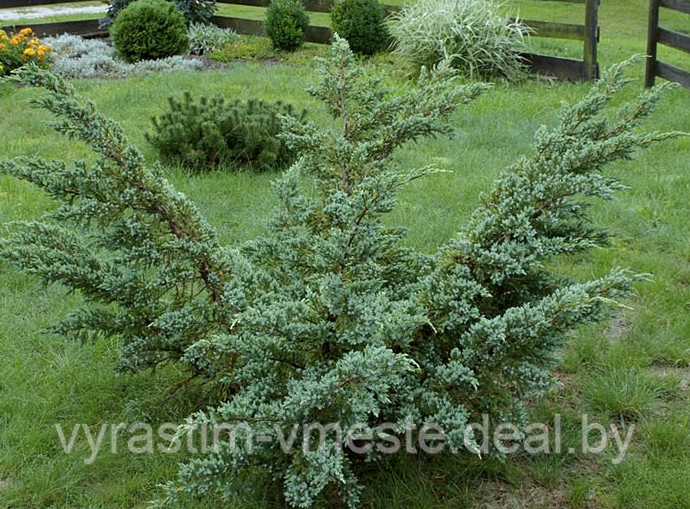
[
  {"x": 15, "y": 40},
  {"x": 3, "y": 47},
  {"x": 41, "y": 54},
  {"x": 29, "y": 52},
  {"x": 25, "y": 31}
]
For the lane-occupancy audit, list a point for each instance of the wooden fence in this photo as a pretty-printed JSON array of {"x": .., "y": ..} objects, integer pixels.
[
  {"x": 559, "y": 67},
  {"x": 88, "y": 28},
  {"x": 588, "y": 32},
  {"x": 659, "y": 35}
]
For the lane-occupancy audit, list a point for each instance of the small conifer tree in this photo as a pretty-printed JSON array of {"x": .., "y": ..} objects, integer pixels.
[
  {"x": 212, "y": 132},
  {"x": 329, "y": 317}
]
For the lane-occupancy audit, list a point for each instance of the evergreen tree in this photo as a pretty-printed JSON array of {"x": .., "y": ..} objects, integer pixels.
[{"x": 329, "y": 317}]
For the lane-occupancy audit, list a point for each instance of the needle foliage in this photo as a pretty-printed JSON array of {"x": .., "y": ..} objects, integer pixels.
[{"x": 329, "y": 317}]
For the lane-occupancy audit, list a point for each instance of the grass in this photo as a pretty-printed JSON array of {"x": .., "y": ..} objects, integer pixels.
[
  {"x": 621, "y": 392},
  {"x": 635, "y": 369},
  {"x": 249, "y": 47},
  {"x": 28, "y": 19}
]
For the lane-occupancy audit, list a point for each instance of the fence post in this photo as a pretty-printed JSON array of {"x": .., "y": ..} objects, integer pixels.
[
  {"x": 591, "y": 39},
  {"x": 652, "y": 33}
]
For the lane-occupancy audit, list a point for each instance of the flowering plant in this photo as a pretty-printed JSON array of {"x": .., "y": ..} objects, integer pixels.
[{"x": 20, "y": 48}]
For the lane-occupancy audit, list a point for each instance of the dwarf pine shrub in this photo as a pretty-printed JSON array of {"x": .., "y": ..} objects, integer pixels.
[
  {"x": 212, "y": 132},
  {"x": 329, "y": 317}
]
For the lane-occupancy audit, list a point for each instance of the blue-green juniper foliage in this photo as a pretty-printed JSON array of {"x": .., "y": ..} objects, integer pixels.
[{"x": 329, "y": 317}]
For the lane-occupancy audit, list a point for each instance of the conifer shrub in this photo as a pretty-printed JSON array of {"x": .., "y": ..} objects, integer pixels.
[
  {"x": 195, "y": 11},
  {"x": 149, "y": 30},
  {"x": 213, "y": 132},
  {"x": 362, "y": 23},
  {"x": 478, "y": 40},
  {"x": 329, "y": 317},
  {"x": 114, "y": 8},
  {"x": 286, "y": 24}
]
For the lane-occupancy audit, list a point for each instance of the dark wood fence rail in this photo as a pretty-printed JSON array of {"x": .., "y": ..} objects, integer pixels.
[
  {"x": 659, "y": 35},
  {"x": 88, "y": 28},
  {"x": 588, "y": 33},
  {"x": 559, "y": 67}
]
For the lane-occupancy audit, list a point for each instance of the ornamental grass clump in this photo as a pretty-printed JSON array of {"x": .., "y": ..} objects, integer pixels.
[
  {"x": 472, "y": 34},
  {"x": 329, "y": 317},
  {"x": 21, "y": 48}
]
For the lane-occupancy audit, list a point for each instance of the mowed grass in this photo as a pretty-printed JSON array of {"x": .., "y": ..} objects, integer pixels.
[
  {"x": 29, "y": 13},
  {"x": 633, "y": 371}
]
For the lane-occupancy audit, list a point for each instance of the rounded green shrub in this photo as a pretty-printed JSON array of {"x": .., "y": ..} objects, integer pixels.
[
  {"x": 209, "y": 133},
  {"x": 473, "y": 35},
  {"x": 286, "y": 23},
  {"x": 362, "y": 23},
  {"x": 149, "y": 30}
]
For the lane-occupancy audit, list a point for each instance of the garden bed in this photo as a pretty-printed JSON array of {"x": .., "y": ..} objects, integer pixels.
[{"x": 633, "y": 373}]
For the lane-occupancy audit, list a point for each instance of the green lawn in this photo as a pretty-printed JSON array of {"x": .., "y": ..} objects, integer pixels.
[
  {"x": 28, "y": 19},
  {"x": 637, "y": 367}
]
